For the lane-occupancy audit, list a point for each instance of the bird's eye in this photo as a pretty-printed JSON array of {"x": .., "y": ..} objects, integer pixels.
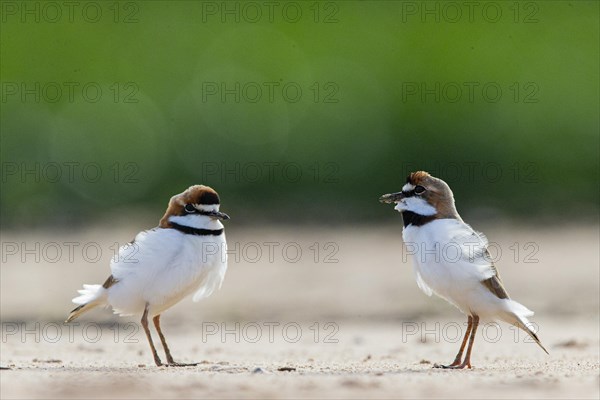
[
  {"x": 419, "y": 189},
  {"x": 190, "y": 208}
]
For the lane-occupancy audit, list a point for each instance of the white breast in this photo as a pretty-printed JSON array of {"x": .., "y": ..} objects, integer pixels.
[
  {"x": 163, "y": 266},
  {"x": 449, "y": 259}
]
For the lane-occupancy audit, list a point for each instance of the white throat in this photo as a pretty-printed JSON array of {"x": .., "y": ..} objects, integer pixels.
[
  {"x": 416, "y": 205},
  {"x": 197, "y": 221}
]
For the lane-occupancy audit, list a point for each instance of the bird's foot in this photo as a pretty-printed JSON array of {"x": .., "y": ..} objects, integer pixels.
[
  {"x": 173, "y": 363},
  {"x": 454, "y": 365},
  {"x": 178, "y": 364}
]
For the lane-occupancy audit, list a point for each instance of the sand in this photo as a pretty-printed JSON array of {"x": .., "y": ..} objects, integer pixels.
[{"x": 346, "y": 321}]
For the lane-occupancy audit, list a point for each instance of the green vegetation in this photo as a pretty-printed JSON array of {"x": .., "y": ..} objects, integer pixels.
[{"x": 352, "y": 96}]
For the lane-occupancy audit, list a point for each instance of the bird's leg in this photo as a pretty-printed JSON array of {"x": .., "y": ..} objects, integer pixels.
[
  {"x": 467, "y": 362},
  {"x": 149, "y": 336},
  {"x": 458, "y": 358},
  {"x": 156, "y": 320},
  {"x": 170, "y": 361}
]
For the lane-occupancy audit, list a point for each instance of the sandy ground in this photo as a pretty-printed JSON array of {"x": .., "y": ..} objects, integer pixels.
[{"x": 346, "y": 321}]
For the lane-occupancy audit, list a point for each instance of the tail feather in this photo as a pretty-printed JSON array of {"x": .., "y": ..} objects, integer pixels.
[
  {"x": 518, "y": 316},
  {"x": 76, "y": 312},
  {"x": 523, "y": 323},
  {"x": 91, "y": 296}
]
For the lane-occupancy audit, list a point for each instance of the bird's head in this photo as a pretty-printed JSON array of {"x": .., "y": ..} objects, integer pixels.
[
  {"x": 198, "y": 206},
  {"x": 424, "y": 195}
]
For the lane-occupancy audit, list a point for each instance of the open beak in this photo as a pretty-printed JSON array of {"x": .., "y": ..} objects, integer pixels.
[
  {"x": 392, "y": 197},
  {"x": 218, "y": 215}
]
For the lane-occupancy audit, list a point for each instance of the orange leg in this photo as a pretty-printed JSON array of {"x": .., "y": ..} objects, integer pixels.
[
  {"x": 467, "y": 362},
  {"x": 473, "y": 322}
]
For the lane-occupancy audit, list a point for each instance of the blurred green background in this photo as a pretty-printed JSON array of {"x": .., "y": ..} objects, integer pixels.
[{"x": 297, "y": 112}]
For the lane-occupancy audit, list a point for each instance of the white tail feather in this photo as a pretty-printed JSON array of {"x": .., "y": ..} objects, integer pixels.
[
  {"x": 91, "y": 296},
  {"x": 89, "y": 293},
  {"x": 518, "y": 316}
]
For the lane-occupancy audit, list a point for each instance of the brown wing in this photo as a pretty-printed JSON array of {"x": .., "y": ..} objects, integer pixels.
[{"x": 494, "y": 285}]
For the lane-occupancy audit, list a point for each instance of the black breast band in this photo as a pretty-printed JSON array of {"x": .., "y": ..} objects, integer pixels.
[
  {"x": 195, "y": 231},
  {"x": 411, "y": 218}
]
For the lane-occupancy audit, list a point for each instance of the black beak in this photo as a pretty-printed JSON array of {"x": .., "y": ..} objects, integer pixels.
[
  {"x": 217, "y": 215},
  {"x": 392, "y": 197}
]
